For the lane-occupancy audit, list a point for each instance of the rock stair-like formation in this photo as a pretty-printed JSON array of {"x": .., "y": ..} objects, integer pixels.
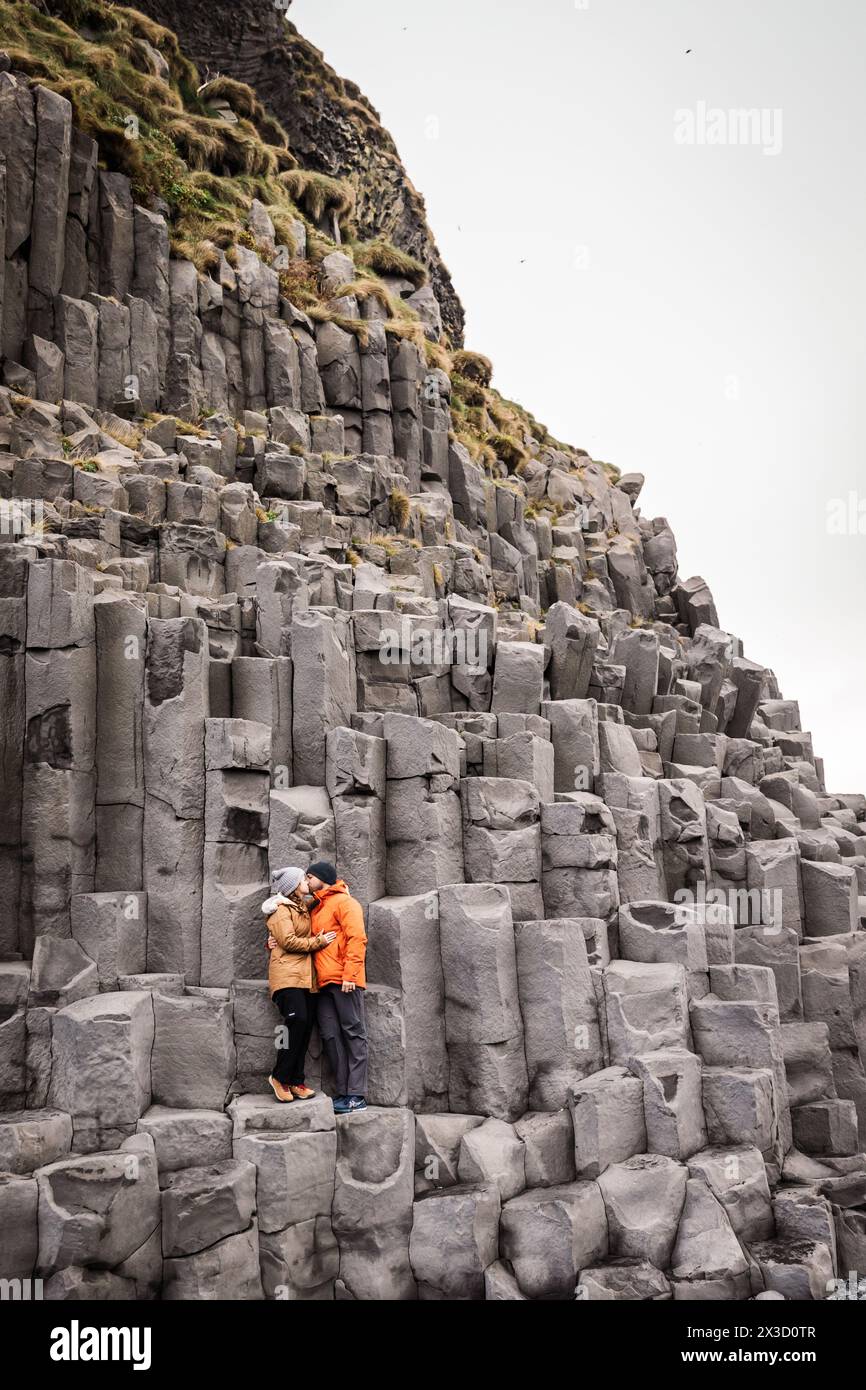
[{"x": 260, "y": 606}]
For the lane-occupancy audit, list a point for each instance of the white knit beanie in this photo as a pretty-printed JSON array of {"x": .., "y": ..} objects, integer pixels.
[{"x": 285, "y": 881}]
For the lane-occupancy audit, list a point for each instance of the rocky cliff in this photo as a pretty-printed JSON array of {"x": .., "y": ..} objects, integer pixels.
[
  {"x": 332, "y": 126},
  {"x": 283, "y": 578}
]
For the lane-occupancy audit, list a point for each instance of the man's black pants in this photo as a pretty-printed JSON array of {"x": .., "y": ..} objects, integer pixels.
[
  {"x": 298, "y": 1010},
  {"x": 343, "y": 1030}
]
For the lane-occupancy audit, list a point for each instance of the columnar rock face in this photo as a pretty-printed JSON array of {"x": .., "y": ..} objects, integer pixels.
[
  {"x": 338, "y": 133},
  {"x": 616, "y": 968}
]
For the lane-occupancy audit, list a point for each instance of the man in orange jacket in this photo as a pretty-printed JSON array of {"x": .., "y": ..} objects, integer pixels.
[{"x": 341, "y": 979}]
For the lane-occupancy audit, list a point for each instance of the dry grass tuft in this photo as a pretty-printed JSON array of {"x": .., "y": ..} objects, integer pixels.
[
  {"x": 379, "y": 255},
  {"x": 399, "y": 508},
  {"x": 474, "y": 367},
  {"x": 317, "y": 194},
  {"x": 508, "y": 449}
]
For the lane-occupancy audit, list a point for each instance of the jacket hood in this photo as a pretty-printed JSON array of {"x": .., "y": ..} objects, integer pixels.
[
  {"x": 270, "y": 905},
  {"x": 329, "y": 888}
]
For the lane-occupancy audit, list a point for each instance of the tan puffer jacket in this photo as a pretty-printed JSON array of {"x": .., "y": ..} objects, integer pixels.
[{"x": 291, "y": 962}]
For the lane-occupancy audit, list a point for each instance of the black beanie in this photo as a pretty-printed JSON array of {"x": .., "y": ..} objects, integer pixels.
[{"x": 323, "y": 870}]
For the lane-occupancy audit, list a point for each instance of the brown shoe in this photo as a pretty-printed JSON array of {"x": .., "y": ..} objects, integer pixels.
[
  {"x": 302, "y": 1092},
  {"x": 281, "y": 1092}
]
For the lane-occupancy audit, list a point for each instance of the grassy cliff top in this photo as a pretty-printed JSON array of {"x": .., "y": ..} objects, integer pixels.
[{"x": 203, "y": 151}]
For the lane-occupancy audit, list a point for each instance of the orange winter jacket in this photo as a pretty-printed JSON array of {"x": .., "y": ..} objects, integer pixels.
[{"x": 344, "y": 959}]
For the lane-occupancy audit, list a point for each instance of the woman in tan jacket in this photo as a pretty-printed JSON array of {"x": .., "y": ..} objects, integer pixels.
[{"x": 292, "y": 979}]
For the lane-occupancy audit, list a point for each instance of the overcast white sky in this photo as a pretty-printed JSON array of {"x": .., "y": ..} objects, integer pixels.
[{"x": 693, "y": 312}]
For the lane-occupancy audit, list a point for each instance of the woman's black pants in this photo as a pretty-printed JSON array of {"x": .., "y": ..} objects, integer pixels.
[{"x": 298, "y": 1011}]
